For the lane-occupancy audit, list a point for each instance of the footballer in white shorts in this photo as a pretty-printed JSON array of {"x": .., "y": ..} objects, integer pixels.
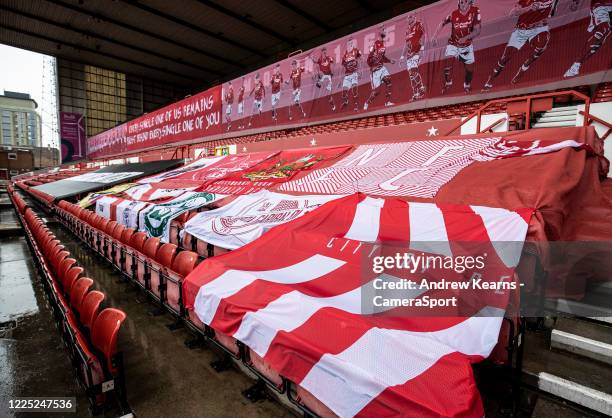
[
  {"x": 465, "y": 54},
  {"x": 599, "y": 29},
  {"x": 521, "y": 36},
  {"x": 350, "y": 80},
  {"x": 326, "y": 78},
  {"x": 599, "y": 15},
  {"x": 412, "y": 63},
  {"x": 378, "y": 75},
  {"x": 296, "y": 95}
]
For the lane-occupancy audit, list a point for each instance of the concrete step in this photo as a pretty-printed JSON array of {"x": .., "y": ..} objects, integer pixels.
[
  {"x": 546, "y": 407},
  {"x": 581, "y": 309},
  {"x": 554, "y": 124},
  {"x": 572, "y": 378},
  {"x": 556, "y": 117},
  {"x": 583, "y": 338}
]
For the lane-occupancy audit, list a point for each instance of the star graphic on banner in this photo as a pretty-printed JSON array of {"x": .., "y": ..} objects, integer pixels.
[
  {"x": 433, "y": 131},
  {"x": 243, "y": 149},
  {"x": 313, "y": 142}
]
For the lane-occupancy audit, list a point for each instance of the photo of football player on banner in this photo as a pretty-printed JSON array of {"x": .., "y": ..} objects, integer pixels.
[{"x": 449, "y": 48}]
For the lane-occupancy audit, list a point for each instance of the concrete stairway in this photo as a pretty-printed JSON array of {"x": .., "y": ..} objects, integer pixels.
[
  {"x": 574, "y": 362},
  {"x": 556, "y": 117}
]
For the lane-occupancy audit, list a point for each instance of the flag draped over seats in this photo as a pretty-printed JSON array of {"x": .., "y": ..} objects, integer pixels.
[
  {"x": 155, "y": 219},
  {"x": 249, "y": 216},
  {"x": 276, "y": 170},
  {"x": 299, "y": 297},
  {"x": 416, "y": 168}
]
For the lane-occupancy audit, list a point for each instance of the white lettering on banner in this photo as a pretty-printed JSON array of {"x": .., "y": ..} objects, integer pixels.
[
  {"x": 417, "y": 168},
  {"x": 365, "y": 157},
  {"x": 388, "y": 185},
  {"x": 440, "y": 153},
  {"x": 195, "y": 114}
]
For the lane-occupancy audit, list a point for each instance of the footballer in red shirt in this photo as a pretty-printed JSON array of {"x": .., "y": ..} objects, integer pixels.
[
  {"x": 415, "y": 41},
  {"x": 258, "y": 92},
  {"x": 599, "y": 30},
  {"x": 465, "y": 26},
  {"x": 275, "y": 84},
  {"x": 379, "y": 74},
  {"x": 325, "y": 74},
  {"x": 229, "y": 101},
  {"x": 531, "y": 27},
  {"x": 296, "y": 82},
  {"x": 350, "y": 62},
  {"x": 241, "y": 103}
]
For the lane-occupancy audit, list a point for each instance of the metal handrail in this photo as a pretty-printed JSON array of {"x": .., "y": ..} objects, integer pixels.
[{"x": 529, "y": 99}]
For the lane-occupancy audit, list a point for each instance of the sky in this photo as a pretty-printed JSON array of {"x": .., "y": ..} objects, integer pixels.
[{"x": 25, "y": 75}]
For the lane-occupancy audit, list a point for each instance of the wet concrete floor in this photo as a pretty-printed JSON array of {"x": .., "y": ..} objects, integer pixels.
[{"x": 164, "y": 377}]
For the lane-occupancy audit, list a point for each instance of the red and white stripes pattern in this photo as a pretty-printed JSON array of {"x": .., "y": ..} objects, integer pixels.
[
  {"x": 298, "y": 297},
  {"x": 416, "y": 168}
]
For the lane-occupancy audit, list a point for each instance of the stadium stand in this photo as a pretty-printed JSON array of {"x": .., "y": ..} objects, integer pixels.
[{"x": 89, "y": 331}]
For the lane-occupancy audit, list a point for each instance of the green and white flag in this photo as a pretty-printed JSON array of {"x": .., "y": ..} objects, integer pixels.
[{"x": 155, "y": 220}]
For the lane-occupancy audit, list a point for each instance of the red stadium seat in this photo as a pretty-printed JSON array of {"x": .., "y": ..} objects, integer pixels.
[
  {"x": 88, "y": 310},
  {"x": 71, "y": 276},
  {"x": 115, "y": 242},
  {"x": 104, "y": 334},
  {"x": 78, "y": 292},
  {"x": 136, "y": 243},
  {"x": 257, "y": 362},
  {"x": 157, "y": 268},
  {"x": 126, "y": 236},
  {"x": 55, "y": 262},
  {"x": 183, "y": 264},
  {"x": 149, "y": 251},
  {"x": 63, "y": 268}
]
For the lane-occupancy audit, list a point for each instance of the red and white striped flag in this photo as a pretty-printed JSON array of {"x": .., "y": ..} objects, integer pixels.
[{"x": 299, "y": 297}]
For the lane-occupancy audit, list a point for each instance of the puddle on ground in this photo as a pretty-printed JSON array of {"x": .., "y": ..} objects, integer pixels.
[{"x": 17, "y": 298}]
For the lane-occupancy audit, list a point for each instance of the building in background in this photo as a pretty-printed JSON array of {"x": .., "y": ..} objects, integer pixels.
[
  {"x": 21, "y": 136},
  {"x": 21, "y": 124},
  {"x": 108, "y": 98}
]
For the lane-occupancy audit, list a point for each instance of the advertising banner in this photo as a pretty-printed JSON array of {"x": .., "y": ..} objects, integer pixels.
[
  {"x": 468, "y": 50},
  {"x": 72, "y": 133},
  {"x": 191, "y": 118},
  {"x": 110, "y": 142},
  {"x": 441, "y": 50},
  {"x": 194, "y": 117}
]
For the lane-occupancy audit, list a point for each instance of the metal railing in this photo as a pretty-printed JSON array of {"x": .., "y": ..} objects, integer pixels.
[{"x": 528, "y": 99}]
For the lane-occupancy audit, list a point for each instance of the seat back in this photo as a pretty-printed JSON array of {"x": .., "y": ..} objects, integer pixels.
[
  {"x": 118, "y": 232},
  {"x": 64, "y": 266},
  {"x": 165, "y": 255},
  {"x": 127, "y": 235},
  {"x": 105, "y": 331},
  {"x": 78, "y": 291},
  {"x": 110, "y": 227},
  {"x": 138, "y": 240},
  {"x": 71, "y": 276},
  {"x": 185, "y": 262},
  {"x": 150, "y": 247},
  {"x": 88, "y": 311},
  {"x": 55, "y": 262}
]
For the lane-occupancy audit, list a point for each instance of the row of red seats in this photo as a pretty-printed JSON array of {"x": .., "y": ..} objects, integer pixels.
[
  {"x": 88, "y": 331},
  {"x": 159, "y": 270}
]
